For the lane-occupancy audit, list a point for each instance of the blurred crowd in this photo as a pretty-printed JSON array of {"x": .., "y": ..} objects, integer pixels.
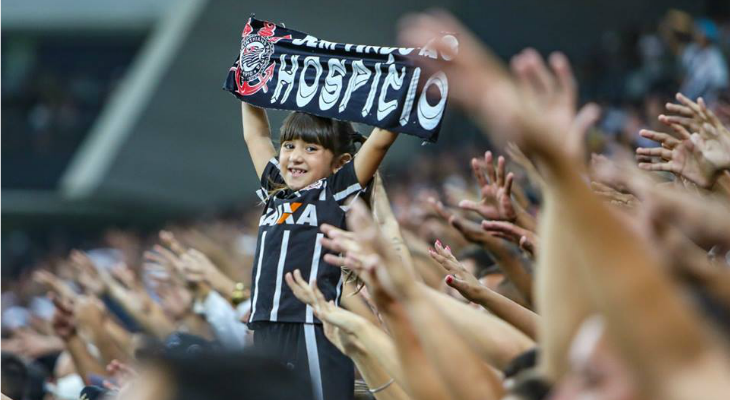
[
  {"x": 54, "y": 89},
  {"x": 586, "y": 255}
]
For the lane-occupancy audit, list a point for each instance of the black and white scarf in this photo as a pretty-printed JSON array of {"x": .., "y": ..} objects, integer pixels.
[{"x": 379, "y": 86}]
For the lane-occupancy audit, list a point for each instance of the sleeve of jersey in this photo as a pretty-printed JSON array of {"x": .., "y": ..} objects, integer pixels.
[
  {"x": 344, "y": 183},
  {"x": 270, "y": 179}
]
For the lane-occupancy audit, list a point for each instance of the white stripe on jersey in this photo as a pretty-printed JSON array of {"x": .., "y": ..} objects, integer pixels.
[
  {"x": 313, "y": 273},
  {"x": 279, "y": 276},
  {"x": 262, "y": 194},
  {"x": 323, "y": 193},
  {"x": 350, "y": 190},
  {"x": 258, "y": 275},
  {"x": 339, "y": 291},
  {"x": 276, "y": 163},
  {"x": 315, "y": 376}
]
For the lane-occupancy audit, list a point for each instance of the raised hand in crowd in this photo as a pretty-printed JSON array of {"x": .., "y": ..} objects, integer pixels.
[
  {"x": 126, "y": 289},
  {"x": 93, "y": 319},
  {"x": 609, "y": 250},
  {"x": 57, "y": 286},
  {"x": 400, "y": 283},
  {"x": 495, "y": 187},
  {"x": 65, "y": 326},
  {"x": 698, "y": 149},
  {"x": 30, "y": 343},
  {"x": 614, "y": 196},
  {"x": 462, "y": 280},
  {"x": 508, "y": 262},
  {"x": 121, "y": 375},
  {"x": 527, "y": 240}
]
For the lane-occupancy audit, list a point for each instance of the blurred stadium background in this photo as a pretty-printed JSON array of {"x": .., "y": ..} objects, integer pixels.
[{"x": 113, "y": 113}]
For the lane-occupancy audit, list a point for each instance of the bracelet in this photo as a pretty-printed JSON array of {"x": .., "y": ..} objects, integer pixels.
[
  {"x": 238, "y": 295},
  {"x": 376, "y": 390}
]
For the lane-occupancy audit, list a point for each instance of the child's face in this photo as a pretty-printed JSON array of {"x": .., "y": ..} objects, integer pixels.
[{"x": 304, "y": 163}]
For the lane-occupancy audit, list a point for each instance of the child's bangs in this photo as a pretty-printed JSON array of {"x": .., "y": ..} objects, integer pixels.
[{"x": 308, "y": 128}]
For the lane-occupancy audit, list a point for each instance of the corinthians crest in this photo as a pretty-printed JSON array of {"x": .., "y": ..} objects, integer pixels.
[{"x": 255, "y": 68}]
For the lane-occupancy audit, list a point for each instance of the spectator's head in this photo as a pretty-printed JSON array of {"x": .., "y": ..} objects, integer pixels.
[
  {"x": 14, "y": 376},
  {"x": 477, "y": 261},
  {"x": 676, "y": 28},
  {"x": 705, "y": 32}
]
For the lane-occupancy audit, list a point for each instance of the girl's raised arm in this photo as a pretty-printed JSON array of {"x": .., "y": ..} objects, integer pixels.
[
  {"x": 257, "y": 133},
  {"x": 371, "y": 154}
]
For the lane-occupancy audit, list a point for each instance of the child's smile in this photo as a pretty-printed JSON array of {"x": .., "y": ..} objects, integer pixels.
[{"x": 304, "y": 163}]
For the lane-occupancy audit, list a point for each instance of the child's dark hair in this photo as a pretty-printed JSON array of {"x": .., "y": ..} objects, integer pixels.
[{"x": 339, "y": 137}]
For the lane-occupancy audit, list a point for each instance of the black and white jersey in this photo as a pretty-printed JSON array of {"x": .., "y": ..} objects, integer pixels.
[{"x": 289, "y": 239}]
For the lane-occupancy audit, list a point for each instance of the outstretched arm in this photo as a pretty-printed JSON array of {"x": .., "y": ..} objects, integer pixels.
[
  {"x": 371, "y": 154},
  {"x": 257, "y": 133}
]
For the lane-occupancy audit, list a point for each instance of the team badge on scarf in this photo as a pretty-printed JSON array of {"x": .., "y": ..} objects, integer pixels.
[{"x": 379, "y": 86}]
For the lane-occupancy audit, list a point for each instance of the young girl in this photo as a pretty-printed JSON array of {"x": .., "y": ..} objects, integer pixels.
[{"x": 309, "y": 183}]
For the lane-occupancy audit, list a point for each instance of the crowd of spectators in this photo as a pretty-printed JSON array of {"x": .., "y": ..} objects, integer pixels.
[
  {"x": 553, "y": 266},
  {"x": 54, "y": 87}
]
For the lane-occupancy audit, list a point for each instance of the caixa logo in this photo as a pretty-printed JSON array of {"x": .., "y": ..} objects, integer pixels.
[
  {"x": 287, "y": 214},
  {"x": 255, "y": 68}
]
